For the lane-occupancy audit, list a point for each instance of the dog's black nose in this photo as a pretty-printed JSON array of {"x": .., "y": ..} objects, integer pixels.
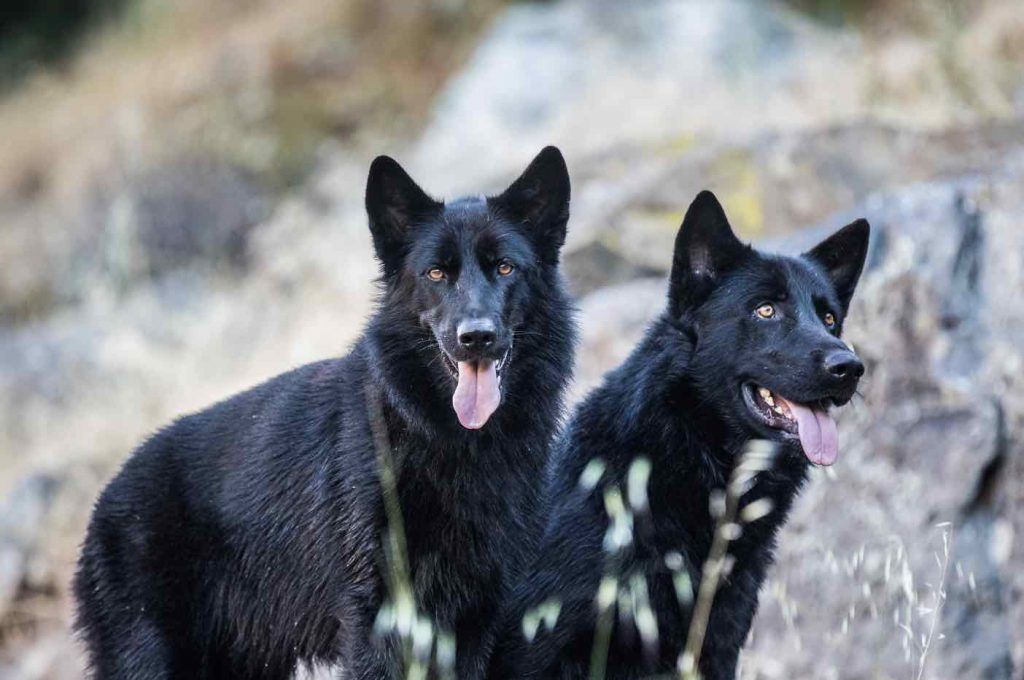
[
  {"x": 476, "y": 333},
  {"x": 844, "y": 365}
]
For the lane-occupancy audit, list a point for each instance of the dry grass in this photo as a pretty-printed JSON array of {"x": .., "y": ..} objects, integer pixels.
[
  {"x": 255, "y": 84},
  {"x": 237, "y": 75}
]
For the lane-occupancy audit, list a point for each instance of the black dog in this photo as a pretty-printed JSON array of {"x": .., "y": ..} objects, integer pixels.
[
  {"x": 251, "y": 536},
  {"x": 748, "y": 348}
]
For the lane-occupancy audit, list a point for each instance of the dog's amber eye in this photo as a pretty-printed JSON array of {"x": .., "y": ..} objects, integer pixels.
[
  {"x": 505, "y": 267},
  {"x": 766, "y": 311},
  {"x": 435, "y": 274},
  {"x": 830, "y": 319}
]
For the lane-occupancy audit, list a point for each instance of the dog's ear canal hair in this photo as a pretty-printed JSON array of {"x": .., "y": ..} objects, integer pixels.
[
  {"x": 705, "y": 248},
  {"x": 394, "y": 203},
  {"x": 539, "y": 199},
  {"x": 842, "y": 257}
]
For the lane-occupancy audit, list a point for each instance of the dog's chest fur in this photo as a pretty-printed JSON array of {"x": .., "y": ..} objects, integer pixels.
[{"x": 456, "y": 514}]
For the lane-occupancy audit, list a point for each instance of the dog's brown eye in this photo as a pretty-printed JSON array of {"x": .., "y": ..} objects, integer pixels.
[
  {"x": 830, "y": 319},
  {"x": 435, "y": 274},
  {"x": 505, "y": 267},
  {"x": 766, "y": 311}
]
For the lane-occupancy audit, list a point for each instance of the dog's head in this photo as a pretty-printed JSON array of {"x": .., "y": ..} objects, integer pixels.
[
  {"x": 765, "y": 329},
  {"x": 466, "y": 268}
]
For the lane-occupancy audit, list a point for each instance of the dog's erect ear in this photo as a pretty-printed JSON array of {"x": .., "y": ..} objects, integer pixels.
[
  {"x": 394, "y": 203},
  {"x": 842, "y": 256},
  {"x": 705, "y": 249},
  {"x": 539, "y": 200}
]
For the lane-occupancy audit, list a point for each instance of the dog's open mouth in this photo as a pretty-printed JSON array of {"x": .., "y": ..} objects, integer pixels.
[
  {"x": 809, "y": 422},
  {"x": 478, "y": 388}
]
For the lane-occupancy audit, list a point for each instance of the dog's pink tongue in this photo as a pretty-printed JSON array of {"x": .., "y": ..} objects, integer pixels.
[
  {"x": 818, "y": 434},
  {"x": 477, "y": 395}
]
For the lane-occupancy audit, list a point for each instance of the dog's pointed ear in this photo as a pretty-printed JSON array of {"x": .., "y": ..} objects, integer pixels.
[
  {"x": 539, "y": 200},
  {"x": 705, "y": 248},
  {"x": 394, "y": 202},
  {"x": 842, "y": 256}
]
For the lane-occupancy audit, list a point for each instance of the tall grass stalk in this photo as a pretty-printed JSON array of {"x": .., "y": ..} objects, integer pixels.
[
  {"x": 420, "y": 641},
  {"x": 618, "y": 538},
  {"x": 940, "y": 599},
  {"x": 725, "y": 508}
]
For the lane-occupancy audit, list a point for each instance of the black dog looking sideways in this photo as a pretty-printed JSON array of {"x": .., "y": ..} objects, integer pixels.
[
  {"x": 248, "y": 537},
  {"x": 748, "y": 348}
]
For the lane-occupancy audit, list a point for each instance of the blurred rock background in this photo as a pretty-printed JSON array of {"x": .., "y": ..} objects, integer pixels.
[{"x": 181, "y": 217}]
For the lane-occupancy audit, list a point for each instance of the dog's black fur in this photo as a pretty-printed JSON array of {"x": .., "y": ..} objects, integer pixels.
[
  {"x": 248, "y": 537},
  {"x": 681, "y": 401}
]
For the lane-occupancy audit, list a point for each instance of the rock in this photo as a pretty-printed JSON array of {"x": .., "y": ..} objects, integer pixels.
[
  {"x": 594, "y": 76},
  {"x": 180, "y": 213},
  {"x": 22, "y": 518},
  {"x": 978, "y": 644},
  {"x": 126, "y": 231},
  {"x": 46, "y": 659},
  {"x": 929, "y": 435},
  {"x": 597, "y": 265},
  {"x": 631, "y": 203},
  {"x": 571, "y": 73},
  {"x": 612, "y": 320}
]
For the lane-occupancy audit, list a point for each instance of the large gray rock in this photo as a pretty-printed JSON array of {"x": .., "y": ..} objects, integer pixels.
[
  {"x": 591, "y": 76},
  {"x": 583, "y": 73},
  {"x": 23, "y": 514}
]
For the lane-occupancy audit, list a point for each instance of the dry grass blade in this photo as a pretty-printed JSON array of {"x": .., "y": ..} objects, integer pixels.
[
  {"x": 725, "y": 508},
  {"x": 421, "y": 640}
]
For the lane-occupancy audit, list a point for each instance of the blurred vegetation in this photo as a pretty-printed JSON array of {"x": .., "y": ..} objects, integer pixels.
[
  {"x": 128, "y": 92},
  {"x": 912, "y": 14},
  {"x": 35, "y": 32},
  {"x": 288, "y": 81},
  {"x": 839, "y": 12}
]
